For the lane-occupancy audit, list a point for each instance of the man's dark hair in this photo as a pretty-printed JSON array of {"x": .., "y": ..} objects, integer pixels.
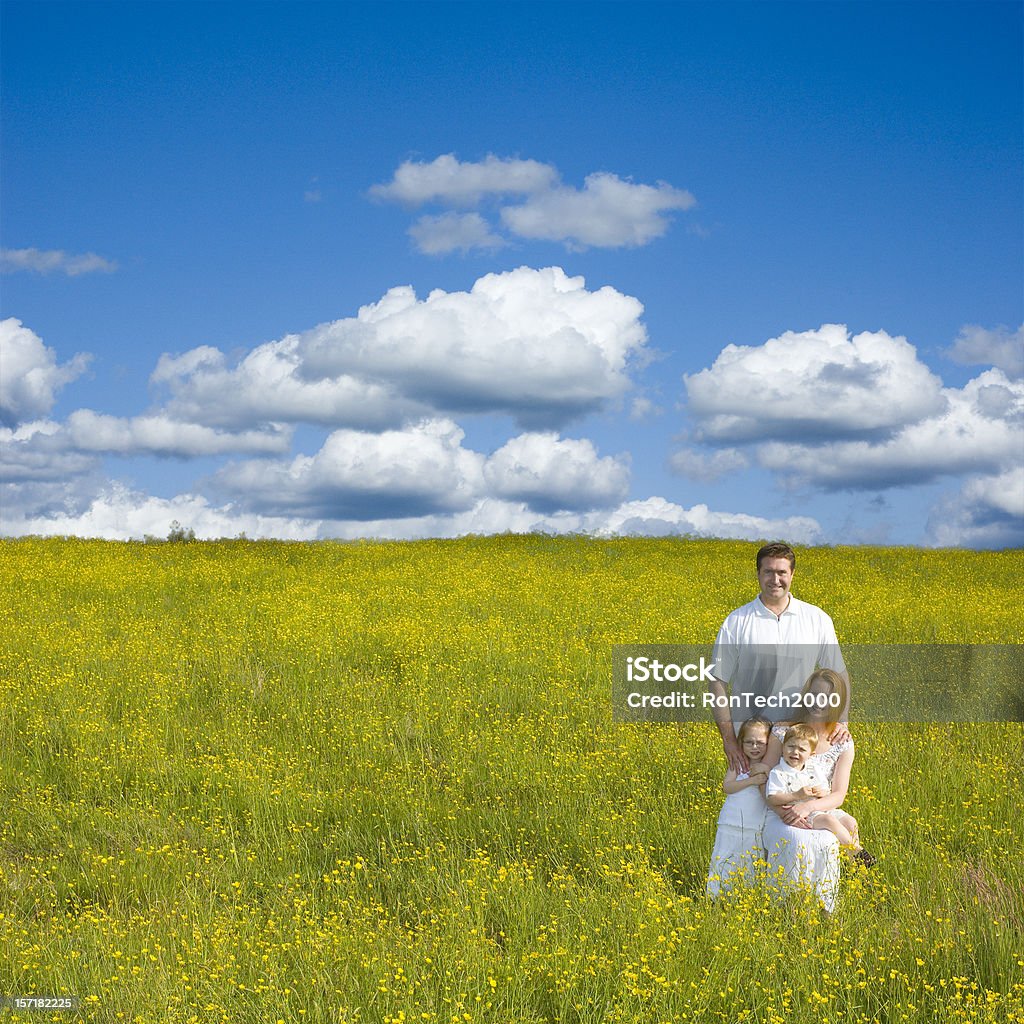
[{"x": 779, "y": 549}]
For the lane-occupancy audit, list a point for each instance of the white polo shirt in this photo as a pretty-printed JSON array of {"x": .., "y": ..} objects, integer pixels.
[{"x": 760, "y": 652}]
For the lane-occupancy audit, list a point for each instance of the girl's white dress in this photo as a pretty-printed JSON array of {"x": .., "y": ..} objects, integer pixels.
[
  {"x": 806, "y": 856},
  {"x": 738, "y": 842}
]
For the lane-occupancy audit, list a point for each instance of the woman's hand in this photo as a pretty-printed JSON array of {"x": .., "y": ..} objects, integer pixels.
[
  {"x": 840, "y": 734},
  {"x": 791, "y": 816}
]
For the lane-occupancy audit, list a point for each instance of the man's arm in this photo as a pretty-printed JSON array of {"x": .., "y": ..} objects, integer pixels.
[{"x": 733, "y": 751}]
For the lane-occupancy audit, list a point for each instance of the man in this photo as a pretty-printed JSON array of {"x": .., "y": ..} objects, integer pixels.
[{"x": 768, "y": 648}]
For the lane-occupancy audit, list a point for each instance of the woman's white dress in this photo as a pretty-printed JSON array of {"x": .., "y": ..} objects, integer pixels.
[
  {"x": 806, "y": 856},
  {"x": 739, "y": 847}
]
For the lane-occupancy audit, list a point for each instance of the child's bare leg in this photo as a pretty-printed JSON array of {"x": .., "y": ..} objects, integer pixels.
[
  {"x": 830, "y": 823},
  {"x": 849, "y": 822}
]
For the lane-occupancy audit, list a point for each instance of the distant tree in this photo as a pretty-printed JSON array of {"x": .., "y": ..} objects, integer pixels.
[{"x": 179, "y": 534}]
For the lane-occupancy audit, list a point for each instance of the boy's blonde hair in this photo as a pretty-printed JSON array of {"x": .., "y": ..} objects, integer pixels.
[{"x": 802, "y": 731}]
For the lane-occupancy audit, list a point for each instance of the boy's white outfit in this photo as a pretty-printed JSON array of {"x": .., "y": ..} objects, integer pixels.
[
  {"x": 784, "y": 778},
  {"x": 739, "y": 845}
]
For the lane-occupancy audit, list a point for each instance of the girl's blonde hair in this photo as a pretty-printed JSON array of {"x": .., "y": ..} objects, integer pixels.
[
  {"x": 751, "y": 723},
  {"x": 838, "y": 685}
]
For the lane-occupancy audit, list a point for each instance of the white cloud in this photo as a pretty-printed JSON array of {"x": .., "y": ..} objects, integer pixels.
[
  {"x": 657, "y": 517},
  {"x": 642, "y": 408},
  {"x": 30, "y": 376},
  {"x": 38, "y": 452},
  {"x": 608, "y": 212},
  {"x": 549, "y": 474},
  {"x": 355, "y": 475},
  {"x": 450, "y": 231},
  {"x": 49, "y": 261},
  {"x": 118, "y": 513},
  {"x": 813, "y": 386},
  {"x": 451, "y": 182},
  {"x": 700, "y": 466},
  {"x": 122, "y": 514},
  {"x": 45, "y": 450},
  {"x": 158, "y": 434},
  {"x": 980, "y": 430},
  {"x": 987, "y": 513},
  {"x": 532, "y": 343},
  {"x": 266, "y": 386},
  {"x": 1000, "y": 347},
  {"x": 424, "y": 470}
]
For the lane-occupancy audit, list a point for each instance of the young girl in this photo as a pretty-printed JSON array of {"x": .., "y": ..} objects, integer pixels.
[{"x": 738, "y": 844}]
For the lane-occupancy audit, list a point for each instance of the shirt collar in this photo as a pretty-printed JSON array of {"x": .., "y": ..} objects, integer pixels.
[{"x": 763, "y": 609}]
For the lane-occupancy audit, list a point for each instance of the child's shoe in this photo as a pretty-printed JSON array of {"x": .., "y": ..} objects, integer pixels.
[{"x": 867, "y": 859}]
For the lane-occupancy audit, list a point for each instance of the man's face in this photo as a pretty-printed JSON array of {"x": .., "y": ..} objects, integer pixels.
[{"x": 775, "y": 576}]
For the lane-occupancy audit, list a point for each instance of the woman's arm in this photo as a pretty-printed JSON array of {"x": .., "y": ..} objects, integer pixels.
[{"x": 840, "y": 784}]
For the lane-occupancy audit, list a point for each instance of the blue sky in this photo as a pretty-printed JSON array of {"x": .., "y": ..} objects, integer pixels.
[{"x": 745, "y": 270}]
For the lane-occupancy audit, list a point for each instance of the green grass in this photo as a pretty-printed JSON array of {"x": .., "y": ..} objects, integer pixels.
[{"x": 381, "y": 782}]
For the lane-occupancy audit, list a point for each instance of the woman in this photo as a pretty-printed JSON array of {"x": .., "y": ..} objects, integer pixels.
[{"x": 807, "y": 856}]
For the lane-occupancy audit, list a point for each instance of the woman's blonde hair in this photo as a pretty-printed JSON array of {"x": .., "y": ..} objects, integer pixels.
[{"x": 838, "y": 685}]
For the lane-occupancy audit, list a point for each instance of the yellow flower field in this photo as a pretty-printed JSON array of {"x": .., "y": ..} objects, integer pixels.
[{"x": 380, "y": 782}]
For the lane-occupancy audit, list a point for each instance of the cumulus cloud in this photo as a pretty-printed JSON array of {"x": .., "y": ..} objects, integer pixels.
[
  {"x": 549, "y": 474},
  {"x": 657, "y": 517},
  {"x": 532, "y": 343},
  {"x": 608, "y": 212},
  {"x": 158, "y": 434},
  {"x": 813, "y": 386},
  {"x": 453, "y": 231},
  {"x": 47, "y": 451},
  {"x": 451, "y": 182},
  {"x": 49, "y": 261},
  {"x": 424, "y": 470},
  {"x": 999, "y": 347},
  {"x": 119, "y": 513},
  {"x": 535, "y": 344},
  {"x": 356, "y": 475},
  {"x": 39, "y": 452},
  {"x": 979, "y": 430},
  {"x": 988, "y": 512},
  {"x": 266, "y": 386},
  {"x": 31, "y": 376}
]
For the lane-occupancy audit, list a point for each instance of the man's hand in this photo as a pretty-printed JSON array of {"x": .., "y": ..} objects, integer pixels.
[
  {"x": 791, "y": 816},
  {"x": 734, "y": 755}
]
